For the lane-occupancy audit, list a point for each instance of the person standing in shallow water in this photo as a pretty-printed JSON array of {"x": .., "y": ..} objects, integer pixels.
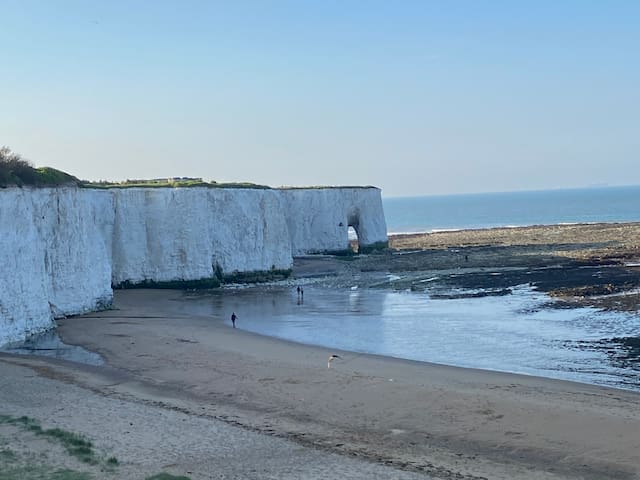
[
  {"x": 233, "y": 319},
  {"x": 300, "y": 295}
]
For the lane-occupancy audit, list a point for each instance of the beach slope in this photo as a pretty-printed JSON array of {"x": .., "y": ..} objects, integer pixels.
[{"x": 444, "y": 421}]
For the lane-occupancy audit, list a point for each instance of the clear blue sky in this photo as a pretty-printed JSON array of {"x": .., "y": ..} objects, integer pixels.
[{"x": 416, "y": 97}]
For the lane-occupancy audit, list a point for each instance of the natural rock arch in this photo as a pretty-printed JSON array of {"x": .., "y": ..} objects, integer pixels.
[
  {"x": 353, "y": 239},
  {"x": 353, "y": 230}
]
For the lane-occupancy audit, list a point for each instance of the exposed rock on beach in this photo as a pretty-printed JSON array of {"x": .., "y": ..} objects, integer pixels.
[{"x": 594, "y": 264}]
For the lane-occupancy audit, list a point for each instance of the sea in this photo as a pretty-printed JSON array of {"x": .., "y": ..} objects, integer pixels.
[{"x": 512, "y": 209}]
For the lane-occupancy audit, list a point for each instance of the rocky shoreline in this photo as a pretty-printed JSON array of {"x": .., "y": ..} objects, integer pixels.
[
  {"x": 576, "y": 265},
  {"x": 587, "y": 264}
]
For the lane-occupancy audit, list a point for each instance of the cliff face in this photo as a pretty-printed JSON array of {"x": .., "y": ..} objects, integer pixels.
[
  {"x": 54, "y": 256},
  {"x": 61, "y": 249},
  {"x": 166, "y": 234},
  {"x": 319, "y": 218}
]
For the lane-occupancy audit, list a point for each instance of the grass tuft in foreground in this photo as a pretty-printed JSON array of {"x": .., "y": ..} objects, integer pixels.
[
  {"x": 14, "y": 466},
  {"x": 41, "y": 473},
  {"x": 75, "y": 444}
]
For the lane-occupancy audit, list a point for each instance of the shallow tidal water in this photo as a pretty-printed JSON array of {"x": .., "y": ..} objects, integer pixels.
[
  {"x": 517, "y": 333},
  {"x": 49, "y": 344}
]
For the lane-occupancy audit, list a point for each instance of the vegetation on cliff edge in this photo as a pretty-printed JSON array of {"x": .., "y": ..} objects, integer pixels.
[
  {"x": 17, "y": 171},
  {"x": 172, "y": 182}
]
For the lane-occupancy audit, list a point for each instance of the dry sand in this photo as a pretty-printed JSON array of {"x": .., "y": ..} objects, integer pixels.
[
  {"x": 147, "y": 435},
  {"x": 187, "y": 393}
]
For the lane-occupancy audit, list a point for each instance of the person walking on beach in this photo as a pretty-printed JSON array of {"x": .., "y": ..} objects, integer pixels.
[{"x": 233, "y": 319}]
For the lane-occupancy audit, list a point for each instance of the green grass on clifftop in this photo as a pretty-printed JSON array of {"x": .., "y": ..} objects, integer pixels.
[
  {"x": 16, "y": 171},
  {"x": 170, "y": 183}
]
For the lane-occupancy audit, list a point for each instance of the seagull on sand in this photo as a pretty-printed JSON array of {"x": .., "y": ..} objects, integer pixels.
[{"x": 331, "y": 358}]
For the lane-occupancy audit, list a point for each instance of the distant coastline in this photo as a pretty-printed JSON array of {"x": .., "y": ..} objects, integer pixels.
[{"x": 501, "y": 227}]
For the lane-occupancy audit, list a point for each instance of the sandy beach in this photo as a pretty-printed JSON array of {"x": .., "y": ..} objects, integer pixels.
[
  {"x": 443, "y": 421},
  {"x": 187, "y": 394}
]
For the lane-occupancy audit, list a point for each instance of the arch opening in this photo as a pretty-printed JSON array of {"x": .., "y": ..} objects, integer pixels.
[{"x": 352, "y": 235}]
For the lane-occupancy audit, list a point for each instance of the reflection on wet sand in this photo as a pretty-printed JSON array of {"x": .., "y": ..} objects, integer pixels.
[{"x": 519, "y": 332}]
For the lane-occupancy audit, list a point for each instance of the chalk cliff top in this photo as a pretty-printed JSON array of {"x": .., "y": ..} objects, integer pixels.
[
  {"x": 46, "y": 177},
  {"x": 16, "y": 171},
  {"x": 188, "y": 182}
]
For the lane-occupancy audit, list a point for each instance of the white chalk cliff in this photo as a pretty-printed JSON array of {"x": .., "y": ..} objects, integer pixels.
[
  {"x": 62, "y": 249},
  {"x": 319, "y": 218},
  {"x": 55, "y": 256}
]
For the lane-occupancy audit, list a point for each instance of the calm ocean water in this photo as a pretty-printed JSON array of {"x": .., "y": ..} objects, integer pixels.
[{"x": 513, "y": 209}]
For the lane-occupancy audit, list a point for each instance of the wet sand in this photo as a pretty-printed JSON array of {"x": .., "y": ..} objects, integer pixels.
[{"x": 442, "y": 421}]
